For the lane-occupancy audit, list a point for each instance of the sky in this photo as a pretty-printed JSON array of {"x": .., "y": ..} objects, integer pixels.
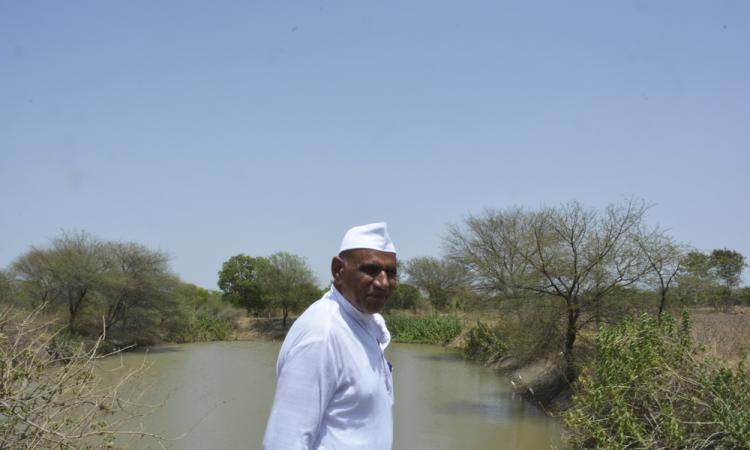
[{"x": 209, "y": 129}]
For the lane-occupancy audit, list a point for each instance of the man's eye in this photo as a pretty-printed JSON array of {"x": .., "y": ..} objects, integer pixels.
[{"x": 372, "y": 271}]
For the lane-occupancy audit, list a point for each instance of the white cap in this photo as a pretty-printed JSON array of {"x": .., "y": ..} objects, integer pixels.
[{"x": 372, "y": 235}]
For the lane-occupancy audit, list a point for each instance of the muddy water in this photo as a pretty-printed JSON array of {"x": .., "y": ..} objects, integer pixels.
[{"x": 218, "y": 395}]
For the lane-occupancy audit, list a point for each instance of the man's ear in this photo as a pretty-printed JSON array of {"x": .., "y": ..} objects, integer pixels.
[{"x": 337, "y": 265}]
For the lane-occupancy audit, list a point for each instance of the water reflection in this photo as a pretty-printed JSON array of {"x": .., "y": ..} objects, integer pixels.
[
  {"x": 444, "y": 402},
  {"x": 502, "y": 405},
  {"x": 444, "y": 356}
]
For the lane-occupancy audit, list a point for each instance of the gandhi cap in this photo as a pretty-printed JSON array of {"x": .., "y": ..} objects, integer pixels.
[{"x": 372, "y": 235}]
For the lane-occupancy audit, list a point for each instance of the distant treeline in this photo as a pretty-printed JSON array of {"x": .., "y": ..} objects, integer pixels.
[{"x": 570, "y": 266}]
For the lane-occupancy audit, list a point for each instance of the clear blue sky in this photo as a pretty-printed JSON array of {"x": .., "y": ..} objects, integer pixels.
[{"x": 208, "y": 129}]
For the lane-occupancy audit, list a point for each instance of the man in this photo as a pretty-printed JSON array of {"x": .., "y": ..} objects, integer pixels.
[{"x": 334, "y": 387}]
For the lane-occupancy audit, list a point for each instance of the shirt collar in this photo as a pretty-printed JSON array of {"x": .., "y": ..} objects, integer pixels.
[{"x": 374, "y": 324}]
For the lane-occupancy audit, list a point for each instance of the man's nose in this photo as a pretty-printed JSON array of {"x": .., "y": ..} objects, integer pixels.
[{"x": 381, "y": 280}]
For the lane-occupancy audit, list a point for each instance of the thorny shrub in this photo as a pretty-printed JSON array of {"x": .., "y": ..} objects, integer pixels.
[{"x": 54, "y": 398}]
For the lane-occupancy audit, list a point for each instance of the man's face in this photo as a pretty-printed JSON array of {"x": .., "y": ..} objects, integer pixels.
[{"x": 365, "y": 277}]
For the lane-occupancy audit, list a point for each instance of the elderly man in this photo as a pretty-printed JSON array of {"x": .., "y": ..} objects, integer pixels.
[{"x": 334, "y": 387}]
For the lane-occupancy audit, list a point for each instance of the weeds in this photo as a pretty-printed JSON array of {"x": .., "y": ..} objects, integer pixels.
[
  {"x": 648, "y": 388},
  {"x": 485, "y": 344},
  {"x": 203, "y": 327},
  {"x": 432, "y": 329}
]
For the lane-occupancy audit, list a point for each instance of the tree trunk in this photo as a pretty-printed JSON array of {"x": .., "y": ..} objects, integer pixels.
[
  {"x": 71, "y": 310},
  {"x": 571, "y": 333},
  {"x": 662, "y": 304}
]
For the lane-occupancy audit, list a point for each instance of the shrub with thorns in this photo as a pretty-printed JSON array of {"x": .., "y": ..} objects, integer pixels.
[{"x": 54, "y": 397}]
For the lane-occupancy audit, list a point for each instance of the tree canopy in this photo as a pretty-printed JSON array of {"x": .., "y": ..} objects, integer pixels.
[
  {"x": 288, "y": 283},
  {"x": 239, "y": 281},
  {"x": 728, "y": 266},
  {"x": 127, "y": 284},
  {"x": 280, "y": 281}
]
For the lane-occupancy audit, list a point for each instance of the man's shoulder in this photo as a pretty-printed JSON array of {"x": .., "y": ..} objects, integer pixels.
[{"x": 317, "y": 320}]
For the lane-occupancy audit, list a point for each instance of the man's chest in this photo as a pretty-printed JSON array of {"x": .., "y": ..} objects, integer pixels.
[{"x": 364, "y": 378}]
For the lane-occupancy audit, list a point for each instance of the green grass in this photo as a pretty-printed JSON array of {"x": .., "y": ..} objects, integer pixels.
[{"x": 432, "y": 329}]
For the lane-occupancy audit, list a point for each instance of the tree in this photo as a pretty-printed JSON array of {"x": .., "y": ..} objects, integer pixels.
[
  {"x": 664, "y": 258},
  {"x": 728, "y": 266},
  {"x": 287, "y": 282},
  {"x": 138, "y": 289},
  {"x": 575, "y": 254},
  {"x": 238, "y": 279},
  {"x": 441, "y": 279},
  {"x": 7, "y": 289},
  {"x": 698, "y": 264},
  {"x": 696, "y": 283},
  {"x": 405, "y": 296},
  {"x": 709, "y": 277},
  {"x": 66, "y": 273},
  {"x": 127, "y": 284},
  {"x": 35, "y": 278}
]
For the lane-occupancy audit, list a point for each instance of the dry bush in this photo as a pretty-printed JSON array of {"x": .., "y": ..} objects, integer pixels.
[{"x": 51, "y": 394}]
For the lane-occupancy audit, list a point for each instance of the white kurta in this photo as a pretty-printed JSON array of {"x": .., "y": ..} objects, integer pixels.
[{"x": 334, "y": 387}]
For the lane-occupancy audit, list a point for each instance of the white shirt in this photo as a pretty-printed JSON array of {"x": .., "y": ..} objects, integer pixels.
[{"x": 334, "y": 388}]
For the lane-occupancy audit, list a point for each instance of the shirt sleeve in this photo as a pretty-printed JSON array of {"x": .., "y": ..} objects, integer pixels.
[{"x": 306, "y": 382}]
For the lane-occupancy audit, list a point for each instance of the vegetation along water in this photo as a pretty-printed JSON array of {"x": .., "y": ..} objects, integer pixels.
[{"x": 569, "y": 307}]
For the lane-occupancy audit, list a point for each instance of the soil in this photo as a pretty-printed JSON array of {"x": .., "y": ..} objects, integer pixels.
[{"x": 260, "y": 329}]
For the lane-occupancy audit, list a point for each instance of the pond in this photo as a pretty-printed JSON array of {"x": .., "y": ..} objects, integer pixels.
[{"x": 218, "y": 395}]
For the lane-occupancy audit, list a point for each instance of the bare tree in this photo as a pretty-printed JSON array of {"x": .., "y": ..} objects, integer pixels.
[
  {"x": 439, "y": 278},
  {"x": 570, "y": 252},
  {"x": 487, "y": 246}
]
